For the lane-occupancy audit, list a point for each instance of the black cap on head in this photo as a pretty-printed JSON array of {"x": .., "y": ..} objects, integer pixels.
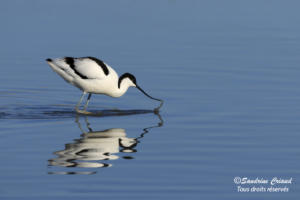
[
  {"x": 132, "y": 78},
  {"x": 126, "y": 75}
]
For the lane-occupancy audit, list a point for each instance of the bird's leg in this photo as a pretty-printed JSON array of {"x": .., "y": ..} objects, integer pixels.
[
  {"x": 78, "y": 123},
  {"x": 79, "y": 102},
  {"x": 88, "y": 124},
  {"x": 87, "y": 102}
]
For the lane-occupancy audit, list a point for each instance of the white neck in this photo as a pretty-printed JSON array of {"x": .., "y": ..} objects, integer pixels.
[{"x": 125, "y": 84}]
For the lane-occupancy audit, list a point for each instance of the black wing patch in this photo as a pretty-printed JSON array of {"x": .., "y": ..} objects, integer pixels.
[
  {"x": 101, "y": 64},
  {"x": 70, "y": 62}
]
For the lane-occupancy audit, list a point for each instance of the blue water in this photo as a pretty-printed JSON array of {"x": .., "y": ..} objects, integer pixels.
[{"x": 228, "y": 72}]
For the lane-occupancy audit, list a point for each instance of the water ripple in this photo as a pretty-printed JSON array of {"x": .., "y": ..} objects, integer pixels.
[
  {"x": 95, "y": 149},
  {"x": 59, "y": 111}
]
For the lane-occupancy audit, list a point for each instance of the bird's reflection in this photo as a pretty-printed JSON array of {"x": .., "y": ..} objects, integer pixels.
[{"x": 96, "y": 149}]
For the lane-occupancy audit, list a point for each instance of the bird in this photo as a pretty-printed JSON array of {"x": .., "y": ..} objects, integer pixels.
[{"x": 92, "y": 76}]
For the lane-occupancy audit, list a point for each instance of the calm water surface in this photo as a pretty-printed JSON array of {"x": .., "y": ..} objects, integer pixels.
[{"x": 227, "y": 70}]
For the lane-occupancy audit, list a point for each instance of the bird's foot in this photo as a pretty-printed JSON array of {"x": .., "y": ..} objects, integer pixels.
[{"x": 83, "y": 112}]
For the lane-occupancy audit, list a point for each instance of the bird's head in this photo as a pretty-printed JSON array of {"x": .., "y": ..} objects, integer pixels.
[{"x": 130, "y": 81}]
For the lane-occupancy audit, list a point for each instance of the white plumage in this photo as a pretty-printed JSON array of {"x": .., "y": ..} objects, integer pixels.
[{"x": 93, "y": 76}]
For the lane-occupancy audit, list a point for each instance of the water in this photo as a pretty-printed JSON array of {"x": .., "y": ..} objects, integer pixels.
[{"x": 227, "y": 70}]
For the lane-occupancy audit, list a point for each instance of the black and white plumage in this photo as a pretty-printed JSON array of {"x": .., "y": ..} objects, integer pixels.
[{"x": 93, "y": 76}]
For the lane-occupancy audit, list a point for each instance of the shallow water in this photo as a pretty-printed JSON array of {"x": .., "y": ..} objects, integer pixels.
[{"x": 227, "y": 71}]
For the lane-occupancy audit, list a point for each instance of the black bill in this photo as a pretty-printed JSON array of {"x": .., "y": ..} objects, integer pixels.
[{"x": 161, "y": 101}]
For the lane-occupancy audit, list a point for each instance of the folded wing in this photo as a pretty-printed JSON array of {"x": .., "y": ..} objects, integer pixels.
[{"x": 84, "y": 68}]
